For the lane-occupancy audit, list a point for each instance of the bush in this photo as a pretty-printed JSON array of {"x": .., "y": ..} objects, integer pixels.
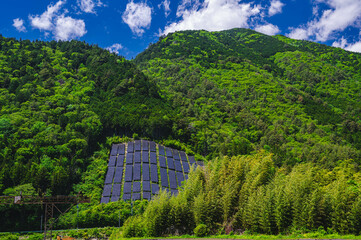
[
  {"x": 134, "y": 227},
  {"x": 201, "y": 230}
]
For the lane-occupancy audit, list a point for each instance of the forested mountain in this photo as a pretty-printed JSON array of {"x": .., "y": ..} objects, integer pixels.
[
  {"x": 292, "y": 107},
  {"x": 58, "y": 101},
  {"x": 239, "y": 91}
]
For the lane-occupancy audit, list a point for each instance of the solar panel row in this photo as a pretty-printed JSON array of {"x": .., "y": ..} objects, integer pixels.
[
  {"x": 137, "y": 176},
  {"x": 121, "y": 149},
  {"x": 130, "y": 147},
  {"x": 161, "y": 150},
  {"x": 153, "y": 158},
  {"x": 145, "y": 145},
  {"x": 112, "y": 161},
  {"x": 137, "y": 145},
  {"x": 136, "y": 172},
  {"x": 137, "y": 157},
  {"x": 154, "y": 173},
  {"x": 110, "y": 174},
  {"x": 120, "y": 161},
  {"x": 118, "y": 175},
  {"x": 152, "y": 146}
]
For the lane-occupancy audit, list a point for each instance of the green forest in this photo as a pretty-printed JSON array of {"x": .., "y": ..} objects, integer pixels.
[{"x": 277, "y": 122}]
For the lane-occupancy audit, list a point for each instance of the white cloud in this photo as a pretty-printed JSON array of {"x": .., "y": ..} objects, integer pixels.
[
  {"x": 299, "y": 33},
  {"x": 115, "y": 48},
  {"x": 268, "y": 29},
  {"x": 340, "y": 15},
  {"x": 212, "y": 15},
  {"x": 138, "y": 16},
  {"x": 275, "y": 8},
  {"x": 166, "y": 5},
  {"x": 68, "y": 28},
  {"x": 45, "y": 20},
  {"x": 54, "y": 21},
  {"x": 19, "y": 25},
  {"x": 343, "y": 43},
  {"x": 88, "y": 6}
]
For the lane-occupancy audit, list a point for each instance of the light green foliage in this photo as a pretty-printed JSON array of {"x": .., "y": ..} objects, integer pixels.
[{"x": 268, "y": 199}]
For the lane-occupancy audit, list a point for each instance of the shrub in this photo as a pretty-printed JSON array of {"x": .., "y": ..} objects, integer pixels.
[
  {"x": 201, "y": 230},
  {"x": 134, "y": 227}
]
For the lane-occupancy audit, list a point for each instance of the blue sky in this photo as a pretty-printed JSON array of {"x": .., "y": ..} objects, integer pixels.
[{"x": 128, "y": 26}]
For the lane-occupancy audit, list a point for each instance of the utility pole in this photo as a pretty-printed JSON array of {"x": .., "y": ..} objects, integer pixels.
[{"x": 50, "y": 203}]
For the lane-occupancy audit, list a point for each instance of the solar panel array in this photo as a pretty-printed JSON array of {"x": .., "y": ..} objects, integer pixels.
[{"x": 137, "y": 170}]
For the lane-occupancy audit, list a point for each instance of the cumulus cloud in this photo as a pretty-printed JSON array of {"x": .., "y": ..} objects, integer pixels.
[
  {"x": 213, "y": 15},
  {"x": 45, "y": 20},
  {"x": 115, "y": 48},
  {"x": 68, "y": 28},
  {"x": 275, "y": 8},
  {"x": 54, "y": 20},
  {"x": 19, "y": 25},
  {"x": 340, "y": 15},
  {"x": 268, "y": 29},
  {"x": 88, "y": 6},
  {"x": 343, "y": 43},
  {"x": 166, "y": 5},
  {"x": 138, "y": 16}
]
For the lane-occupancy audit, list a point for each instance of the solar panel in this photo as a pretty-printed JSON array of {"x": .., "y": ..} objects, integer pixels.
[
  {"x": 136, "y": 196},
  {"x": 172, "y": 179},
  {"x": 170, "y": 163},
  {"x": 183, "y": 156},
  {"x": 164, "y": 177},
  {"x": 137, "y": 157},
  {"x": 162, "y": 162},
  {"x": 121, "y": 149},
  {"x": 126, "y": 196},
  {"x": 120, "y": 161},
  {"x": 161, "y": 150},
  {"x": 154, "y": 173},
  {"x": 112, "y": 160},
  {"x": 116, "y": 190},
  {"x": 174, "y": 192},
  {"x": 191, "y": 160},
  {"x": 128, "y": 173},
  {"x": 146, "y": 186},
  {"x": 127, "y": 187},
  {"x": 178, "y": 166},
  {"x": 145, "y": 157},
  {"x": 107, "y": 190},
  {"x": 114, "y": 150},
  {"x": 104, "y": 200},
  {"x": 153, "y": 157},
  {"x": 118, "y": 175},
  {"x": 176, "y": 154},
  {"x": 129, "y": 159},
  {"x": 114, "y": 198},
  {"x": 180, "y": 177},
  {"x": 130, "y": 147},
  {"x": 185, "y": 167},
  {"x": 146, "y": 172},
  {"x": 146, "y": 195},
  {"x": 145, "y": 145},
  {"x": 136, "y": 172},
  {"x": 186, "y": 176},
  {"x": 136, "y": 187},
  {"x": 155, "y": 188},
  {"x": 152, "y": 147},
  {"x": 168, "y": 152},
  {"x": 110, "y": 174},
  {"x": 137, "y": 145}
]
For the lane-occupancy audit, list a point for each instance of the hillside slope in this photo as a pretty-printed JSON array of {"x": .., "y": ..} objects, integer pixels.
[
  {"x": 58, "y": 102},
  {"x": 239, "y": 90}
]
